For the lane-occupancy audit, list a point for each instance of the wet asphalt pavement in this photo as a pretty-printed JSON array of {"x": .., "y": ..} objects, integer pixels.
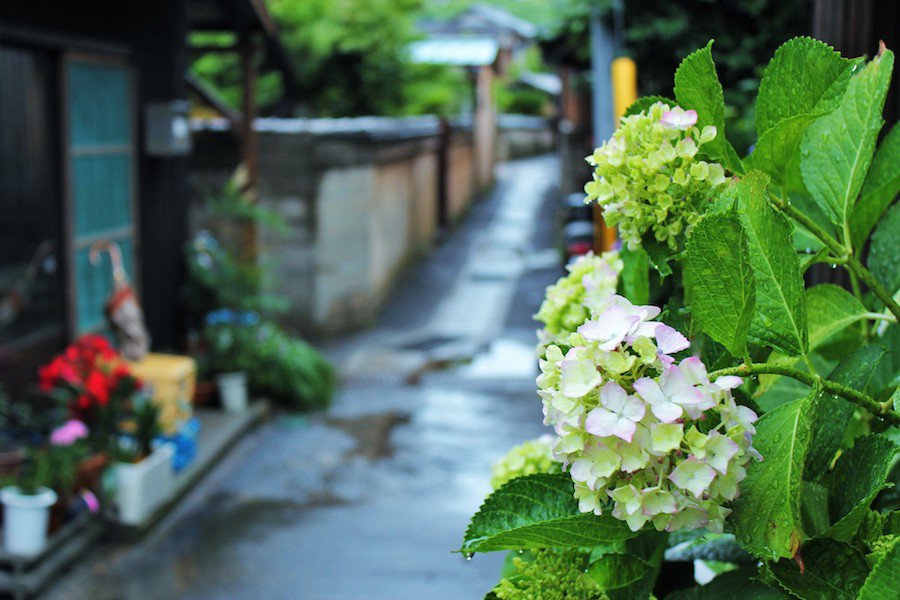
[{"x": 369, "y": 500}]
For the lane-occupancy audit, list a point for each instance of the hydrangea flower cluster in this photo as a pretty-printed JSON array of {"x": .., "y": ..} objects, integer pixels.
[
  {"x": 650, "y": 438},
  {"x": 528, "y": 458},
  {"x": 647, "y": 176},
  {"x": 550, "y": 574},
  {"x": 591, "y": 278}
]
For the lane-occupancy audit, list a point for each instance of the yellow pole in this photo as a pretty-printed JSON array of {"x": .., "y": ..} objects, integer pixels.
[
  {"x": 623, "y": 73},
  {"x": 624, "y": 84}
]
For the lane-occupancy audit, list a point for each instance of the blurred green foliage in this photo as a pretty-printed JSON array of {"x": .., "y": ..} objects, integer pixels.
[
  {"x": 660, "y": 33},
  {"x": 350, "y": 58},
  {"x": 539, "y": 12}
]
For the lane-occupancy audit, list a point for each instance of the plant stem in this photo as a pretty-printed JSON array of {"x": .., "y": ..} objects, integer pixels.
[
  {"x": 856, "y": 397},
  {"x": 880, "y": 317},
  {"x": 850, "y": 262}
]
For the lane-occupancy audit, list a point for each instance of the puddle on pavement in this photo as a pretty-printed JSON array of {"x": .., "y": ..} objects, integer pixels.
[
  {"x": 504, "y": 358},
  {"x": 371, "y": 432}
]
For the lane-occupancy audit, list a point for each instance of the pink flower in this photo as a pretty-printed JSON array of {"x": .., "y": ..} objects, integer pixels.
[
  {"x": 68, "y": 433},
  {"x": 678, "y": 118},
  {"x": 669, "y": 341},
  {"x": 669, "y": 396},
  {"x": 90, "y": 500},
  {"x": 618, "y": 414},
  {"x": 619, "y": 320}
]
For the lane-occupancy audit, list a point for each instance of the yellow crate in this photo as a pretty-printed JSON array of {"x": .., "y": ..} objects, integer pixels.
[{"x": 170, "y": 379}]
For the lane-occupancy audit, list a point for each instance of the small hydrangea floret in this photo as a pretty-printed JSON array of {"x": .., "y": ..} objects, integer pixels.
[
  {"x": 649, "y": 179},
  {"x": 528, "y": 458},
  {"x": 591, "y": 278}
]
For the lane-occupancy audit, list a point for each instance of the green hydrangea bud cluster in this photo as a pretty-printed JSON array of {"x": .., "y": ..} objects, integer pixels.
[
  {"x": 528, "y": 458},
  {"x": 644, "y": 437},
  {"x": 648, "y": 179},
  {"x": 590, "y": 278},
  {"x": 549, "y": 575}
]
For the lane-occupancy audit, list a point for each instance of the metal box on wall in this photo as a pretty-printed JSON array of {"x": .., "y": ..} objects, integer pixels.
[{"x": 167, "y": 131}]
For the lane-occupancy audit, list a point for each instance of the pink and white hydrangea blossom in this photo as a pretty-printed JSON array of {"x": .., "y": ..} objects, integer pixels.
[
  {"x": 618, "y": 413},
  {"x": 644, "y": 438},
  {"x": 670, "y": 395},
  {"x": 669, "y": 341},
  {"x": 678, "y": 118}
]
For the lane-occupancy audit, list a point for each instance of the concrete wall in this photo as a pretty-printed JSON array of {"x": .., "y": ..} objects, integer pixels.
[
  {"x": 519, "y": 136},
  {"x": 360, "y": 198}
]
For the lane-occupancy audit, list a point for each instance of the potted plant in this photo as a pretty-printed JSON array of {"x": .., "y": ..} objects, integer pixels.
[
  {"x": 229, "y": 355},
  {"x": 96, "y": 385},
  {"x": 142, "y": 475},
  {"x": 50, "y": 466}
]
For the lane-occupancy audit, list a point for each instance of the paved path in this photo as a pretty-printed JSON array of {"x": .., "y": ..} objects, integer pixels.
[{"x": 369, "y": 500}]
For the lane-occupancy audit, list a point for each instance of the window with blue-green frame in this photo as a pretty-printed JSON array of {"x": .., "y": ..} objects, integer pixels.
[{"x": 101, "y": 165}]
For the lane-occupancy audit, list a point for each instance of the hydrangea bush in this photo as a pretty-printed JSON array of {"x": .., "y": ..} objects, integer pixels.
[{"x": 752, "y": 418}]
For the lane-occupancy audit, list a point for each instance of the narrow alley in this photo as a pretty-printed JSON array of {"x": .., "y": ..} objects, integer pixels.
[{"x": 370, "y": 499}]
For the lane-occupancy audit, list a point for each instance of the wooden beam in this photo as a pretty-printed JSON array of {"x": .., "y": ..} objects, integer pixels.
[
  {"x": 249, "y": 145},
  {"x": 204, "y": 48},
  {"x": 212, "y": 98}
]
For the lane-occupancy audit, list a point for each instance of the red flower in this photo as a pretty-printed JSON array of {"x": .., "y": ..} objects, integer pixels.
[{"x": 98, "y": 386}]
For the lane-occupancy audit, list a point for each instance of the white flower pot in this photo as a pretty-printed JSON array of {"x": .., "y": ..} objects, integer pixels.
[
  {"x": 25, "y": 519},
  {"x": 233, "y": 391},
  {"x": 141, "y": 488}
]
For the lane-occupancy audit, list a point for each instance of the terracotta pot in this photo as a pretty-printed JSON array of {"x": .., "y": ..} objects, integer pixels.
[
  {"x": 204, "y": 393},
  {"x": 10, "y": 460},
  {"x": 90, "y": 472}
]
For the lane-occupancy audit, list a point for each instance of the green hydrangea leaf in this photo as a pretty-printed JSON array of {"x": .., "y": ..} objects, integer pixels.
[
  {"x": 739, "y": 584},
  {"x": 814, "y": 506},
  {"x": 800, "y": 80},
  {"x": 645, "y": 102},
  {"x": 623, "y": 576},
  {"x": 780, "y": 317},
  {"x": 832, "y": 571},
  {"x": 697, "y": 87},
  {"x": 804, "y": 80},
  {"x": 834, "y": 413},
  {"x": 538, "y": 511},
  {"x": 837, "y": 149},
  {"x": 718, "y": 547},
  {"x": 767, "y": 517},
  {"x": 719, "y": 280},
  {"x": 858, "y": 476},
  {"x": 884, "y": 253},
  {"x": 659, "y": 255},
  {"x": 634, "y": 280},
  {"x": 881, "y": 584},
  {"x": 880, "y": 188},
  {"x": 830, "y": 309}
]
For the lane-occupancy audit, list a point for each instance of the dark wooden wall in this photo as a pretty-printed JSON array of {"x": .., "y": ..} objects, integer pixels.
[
  {"x": 854, "y": 27},
  {"x": 152, "y": 34}
]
